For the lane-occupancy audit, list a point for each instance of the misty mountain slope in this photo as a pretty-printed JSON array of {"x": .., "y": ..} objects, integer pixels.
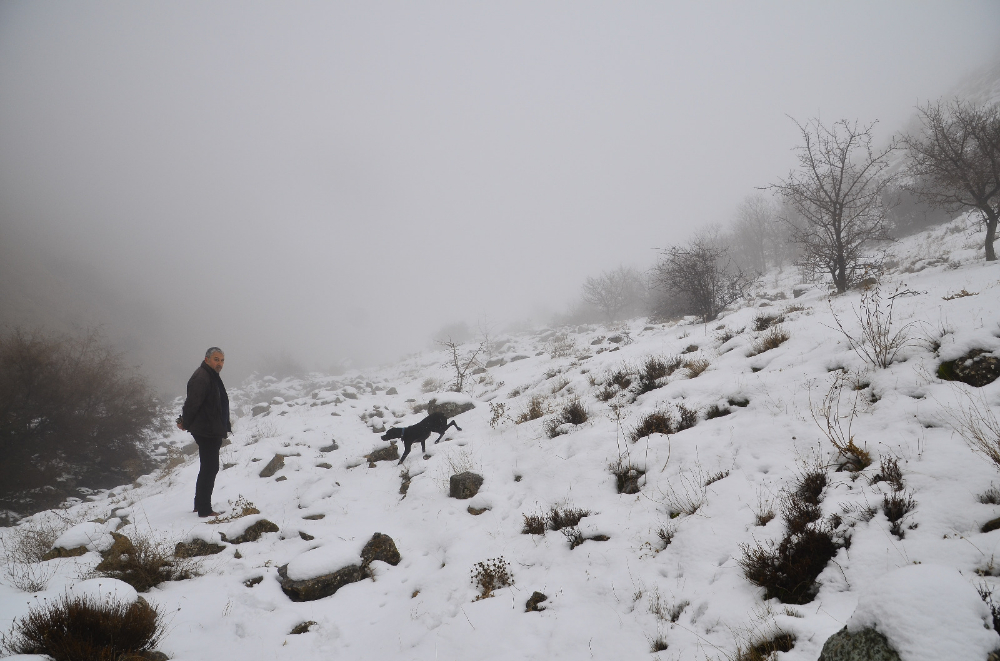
[{"x": 704, "y": 488}]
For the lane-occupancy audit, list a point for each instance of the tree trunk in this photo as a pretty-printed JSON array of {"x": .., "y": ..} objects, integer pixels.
[{"x": 991, "y": 235}]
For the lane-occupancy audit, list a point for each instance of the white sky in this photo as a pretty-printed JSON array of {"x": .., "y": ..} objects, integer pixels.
[{"x": 342, "y": 179}]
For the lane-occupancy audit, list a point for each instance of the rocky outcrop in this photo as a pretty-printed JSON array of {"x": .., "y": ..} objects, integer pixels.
[
  {"x": 196, "y": 548},
  {"x": 276, "y": 464},
  {"x": 865, "y": 645},
  {"x": 253, "y": 532},
  {"x": 379, "y": 547},
  {"x": 259, "y": 409},
  {"x": 465, "y": 485}
]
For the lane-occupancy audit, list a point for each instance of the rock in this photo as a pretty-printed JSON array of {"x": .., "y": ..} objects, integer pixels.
[
  {"x": 450, "y": 409},
  {"x": 301, "y": 628},
  {"x": 306, "y": 536},
  {"x": 350, "y": 395},
  {"x": 866, "y": 645},
  {"x": 312, "y": 589},
  {"x": 476, "y": 511},
  {"x": 259, "y": 409},
  {"x": 479, "y": 370},
  {"x": 976, "y": 368},
  {"x": 59, "y": 552},
  {"x": 392, "y": 391},
  {"x": 122, "y": 546},
  {"x": 532, "y": 605},
  {"x": 330, "y": 448},
  {"x": 190, "y": 449},
  {"x": 196, "y": 548},
  {"x": 465, "y": 485},
  {"x": 380, "y": 547},
  {"x": 495, "y": 362},
  {"x": 253, "y": 532},
  {"x": 387, "y": 453},
  {"x": 798, "y": 290},
  {"x": 594, "y": 343},
  {"x": 323, "y": 464},
  {"x": 990, "y": 526},
  {"x": 616, "y": 339},
  {"x": 519, "y": 357},
  {"x": 277, "y": 463},
  {"x": 314, "y": 517},
  {"x": 250, "y": 582}
]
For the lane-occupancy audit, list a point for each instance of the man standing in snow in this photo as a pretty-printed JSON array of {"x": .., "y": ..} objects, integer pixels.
[{"x": 206, "y": 416}]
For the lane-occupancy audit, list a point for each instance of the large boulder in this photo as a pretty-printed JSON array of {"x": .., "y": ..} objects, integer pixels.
[
  {"x": 386, "y": 453},
  {"x": 465, "y": 485},
  {"x": 865, "y": 645},
  {"x": 976, "y": 368},
  {"x": 311, "y": 589},
  {"x": 300, "y": 585}
]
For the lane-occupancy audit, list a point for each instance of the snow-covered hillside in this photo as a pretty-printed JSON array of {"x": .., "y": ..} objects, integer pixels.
[{"x": 669, "y": 569}]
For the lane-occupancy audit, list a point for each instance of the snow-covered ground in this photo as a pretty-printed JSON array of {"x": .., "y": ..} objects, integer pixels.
[{"x": 606, "y": 599}]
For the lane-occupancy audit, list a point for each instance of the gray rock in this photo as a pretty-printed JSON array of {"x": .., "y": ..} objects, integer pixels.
[
  {"x": 276, "y": 464},
  {"x": 349, "y": 395},
  {"x": 991, "y": 525},
  {"x": 495, "y": 362},
  {"x": 387, "y": 453},
  {"x": 479, "y": 370},
  {"x": 532, "y": 605},
  {"x": 465, "y": 485},
  {"x": 450, "y": 409},
  {"x": 519, "y": 357},
  {"x": 312, "y": 589},
  {"x": 866, "y": 645},
  {"x": 798, "y": 290},
  {"x": 196, "y": 548},
  {"x": 190, "y": 449},
  {"x": 380, "y": 547},
  {"x": 392, "y": 391},
  {"x": 59, "y": 552},
  {"x": 253, "y": 533},
  {"x": 301, "y": 628},
  {"x": 329, "y": 448},
  {"x": 260, "y": 409}
]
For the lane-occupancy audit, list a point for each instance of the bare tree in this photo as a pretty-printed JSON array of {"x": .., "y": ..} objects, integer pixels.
[
  {"x": 463, "y": 364},
  {"x": 954, "y": 160},
  {"x": 754, "y": 233},
  {"x": 700, "y": 279},
  {"x": 621, "y": 291},
  {"x": 838, "y": 193}
]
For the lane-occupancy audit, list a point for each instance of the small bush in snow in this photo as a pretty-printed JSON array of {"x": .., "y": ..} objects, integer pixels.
[
  {"x": 491, "y": 575},
  {"x": 772, "y": 339},
  {"x": 896, "y": 506},
  {"x": 626, "y": 475},
  {"x": 990, "y": 497},
  {"x": 890, "y": 472},
  {"x": 534, "y": 524},
  {"x": 764, "y": 647},
  {"x": 716, "y": 411},
  {"x": 764, "y": 321},
  {"x": 653, "y": 423},
  {"x": 876, "y": 341},
  {"x": 142, "y": 562},
  {"x": 829, "y": 420},
  {"x": 566, "y": 518},
  {"x": 536, "y": 409},
  {"x": 70, "y": 628},
  {"x": 695, "y": 366}
]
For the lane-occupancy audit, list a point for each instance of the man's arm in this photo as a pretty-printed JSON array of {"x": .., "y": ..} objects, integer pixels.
[{"x": 197, "y": 392}]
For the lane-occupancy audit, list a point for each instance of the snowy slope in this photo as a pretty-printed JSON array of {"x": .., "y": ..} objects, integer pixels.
[{"x": 607, "y": 599}]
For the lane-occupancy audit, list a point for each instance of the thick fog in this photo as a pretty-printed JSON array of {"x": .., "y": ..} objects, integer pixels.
[{"x": 334, "y": 181}]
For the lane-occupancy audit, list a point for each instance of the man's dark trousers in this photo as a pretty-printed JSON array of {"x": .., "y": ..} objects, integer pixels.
[{"x": 208, "y": 453}]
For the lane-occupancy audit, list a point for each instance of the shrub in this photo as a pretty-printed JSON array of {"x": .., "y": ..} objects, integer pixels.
[
  {"x": 712, "y": 479},
  {"x": 536, "y": 409},
  {"x": 534, "y": 524},
  {"x": 763, "y": 321},
  {"x": 889, "y": 472},
  {"x": 566, "y": 518},
  {"x": 686, "y": 494},
  {"x": 974, "y": 421},
  {"x": 666, "y": 535},
  {"x": 695, "y": 366},
  {"x": 896, "y": 506},
  {"x": 491, "y": 575},
  {"x": 24, "y": 548},
  {"x": 622, "y": 378},
  {"x": 626, "y": 476},
  {"x": 653, "y": 370},
  {"x": 987, "y": 596},
  {"x": 788, "y": 571},
  {"x": 142, "y": 563},
  {"x": 876, "y": 342},
  {"x": 827, "y": 417},
  {"x": 686, "y": 418},
  {"x": 73, "y": 628},
  {"x": 653, "y": 423},
  {"x": 763, "y": 648},
  {"x": 574, "y": 413},
  {"x": 69, "y": 405},
  {"x": 658, "y": 644},
  {"x": 574, "y": 536},
  {"x": 716, "y": 411},
  {"x": 990, "y": 497},
  {"x": 772, "y": 339}
]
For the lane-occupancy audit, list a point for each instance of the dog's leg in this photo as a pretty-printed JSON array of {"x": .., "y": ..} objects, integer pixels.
[
  {"x": 438, "y": 440},
  {"x": 453, "y": 424},
  {"x": 405, "y": 452}
]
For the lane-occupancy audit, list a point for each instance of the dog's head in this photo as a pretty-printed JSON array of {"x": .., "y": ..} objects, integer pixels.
[{"x": 395, "y": 432}]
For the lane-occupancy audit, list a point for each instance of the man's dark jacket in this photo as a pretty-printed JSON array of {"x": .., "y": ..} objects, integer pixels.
[{"x": 206, "y": 409}]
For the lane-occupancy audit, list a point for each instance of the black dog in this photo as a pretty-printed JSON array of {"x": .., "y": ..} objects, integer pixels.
[{"x": 418, "y": 433}]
